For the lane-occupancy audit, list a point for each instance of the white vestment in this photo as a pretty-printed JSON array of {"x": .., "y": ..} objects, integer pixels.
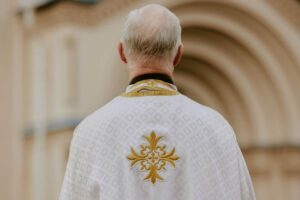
[{"x": 153, "y": 143}]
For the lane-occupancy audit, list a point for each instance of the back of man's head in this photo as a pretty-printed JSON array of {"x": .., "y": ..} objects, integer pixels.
[{"x": 151, "y": 33}]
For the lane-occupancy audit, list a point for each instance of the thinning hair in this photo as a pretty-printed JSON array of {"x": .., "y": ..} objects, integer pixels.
[{"x": 151, "y": 32}]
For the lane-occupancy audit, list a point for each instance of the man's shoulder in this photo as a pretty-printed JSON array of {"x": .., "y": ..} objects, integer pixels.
[
  {"x": 200, "y": 109},
  {"x": 99, "y": 116},
  {"x": 208, "y": 116}
]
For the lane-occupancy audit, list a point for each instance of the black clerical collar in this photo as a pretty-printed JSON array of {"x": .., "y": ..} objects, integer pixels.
[{"x": 159, "y": 76}]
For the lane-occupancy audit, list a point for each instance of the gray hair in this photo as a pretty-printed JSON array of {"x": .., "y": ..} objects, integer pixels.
[{"x": 152, "y": 32}]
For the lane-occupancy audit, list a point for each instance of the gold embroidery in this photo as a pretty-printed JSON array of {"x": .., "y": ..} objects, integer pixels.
[
  {"x": 151, "y": 88},
  {"x": 153, "y": 157},
  {"x": 150, "y": 93}
]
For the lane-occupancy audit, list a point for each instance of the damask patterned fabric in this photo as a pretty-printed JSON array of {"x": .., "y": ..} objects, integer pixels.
[{"x": 153, "y": 143}]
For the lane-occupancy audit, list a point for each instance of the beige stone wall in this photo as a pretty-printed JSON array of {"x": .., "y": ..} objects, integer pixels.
[
  {"x": 240, "y": 58},
  {"x": 56, "y": 153},
  {"x": 10, "y": 75},
  {"x": 275, "y": 172}
]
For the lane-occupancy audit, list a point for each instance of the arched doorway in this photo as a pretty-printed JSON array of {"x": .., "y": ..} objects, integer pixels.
[{"x": 240, "y": 59}]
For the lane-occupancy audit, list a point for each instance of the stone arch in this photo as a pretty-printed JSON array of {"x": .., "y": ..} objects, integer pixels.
[{"x": 240, "y": 61}]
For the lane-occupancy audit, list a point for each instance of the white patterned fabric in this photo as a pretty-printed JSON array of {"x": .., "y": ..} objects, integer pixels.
[{"x": 206, "y": 163}]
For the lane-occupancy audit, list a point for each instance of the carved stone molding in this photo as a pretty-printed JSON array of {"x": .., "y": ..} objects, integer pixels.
[
  {"x": 73, "y": 13},
  {"x": 290, "y": 9},
  {"x": 233, "y": 61},
  {"x": 90, "y": 15}
]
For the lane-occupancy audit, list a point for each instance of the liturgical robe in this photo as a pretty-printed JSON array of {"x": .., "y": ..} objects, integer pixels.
[{"x": 154, "y": 143}]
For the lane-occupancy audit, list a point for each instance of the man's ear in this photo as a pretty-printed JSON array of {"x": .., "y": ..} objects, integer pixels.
[
  {"x": 121, "y": 52},
  {"x": 178, "y": 55}
]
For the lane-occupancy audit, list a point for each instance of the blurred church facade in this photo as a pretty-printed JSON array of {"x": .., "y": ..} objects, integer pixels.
[{"x": 60, "y": 63}]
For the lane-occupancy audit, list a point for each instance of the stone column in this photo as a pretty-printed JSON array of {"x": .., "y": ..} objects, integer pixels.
[{"x": 10, "y": 102}]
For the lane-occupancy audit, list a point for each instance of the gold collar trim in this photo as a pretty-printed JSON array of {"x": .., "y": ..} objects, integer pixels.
[{"x": 150, "y": 87}]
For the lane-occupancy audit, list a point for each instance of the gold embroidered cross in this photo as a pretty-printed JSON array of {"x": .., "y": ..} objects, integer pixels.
[{"x": 152, "y": 157}]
